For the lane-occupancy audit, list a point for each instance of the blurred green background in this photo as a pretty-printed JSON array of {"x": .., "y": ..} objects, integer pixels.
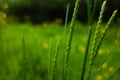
[{"x": 40, "y": 20}]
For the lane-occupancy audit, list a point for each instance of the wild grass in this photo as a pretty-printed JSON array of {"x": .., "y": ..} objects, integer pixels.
[
  {"x": 39, "y": 65},
  {"x": 97, "y": 37},
  {"x": 70, "y": 38}
]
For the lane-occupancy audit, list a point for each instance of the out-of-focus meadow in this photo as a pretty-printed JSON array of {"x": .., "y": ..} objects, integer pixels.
[{"x": 26, "y": 28}]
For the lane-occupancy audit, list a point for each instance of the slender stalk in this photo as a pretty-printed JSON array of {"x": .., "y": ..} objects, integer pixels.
[
  {"x": 98, "y": 44},
  {"x": 54, "y": 63},
  {"x": 90, "y": 21},
  {"x": 96, "y": 36},
  {"x": 94, "y": 8},
  {"x": 66, "y": 19},
  {"x": 106, "y": 28},
  {"x": 65, "y": 27},
  {"x": 86, "y": 53},
  {"x": 89, "y": 6},
  {"x": 24, "y": 60},
  {"x": 50, "y": 60},
  {"x": 70, "y": 37}
]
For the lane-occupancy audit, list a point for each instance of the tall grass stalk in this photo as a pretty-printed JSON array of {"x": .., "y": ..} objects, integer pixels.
[
  {"x": 70, "y": 38},
  {"x": 106, "y": 28},
  {"x": 50, "y": 59},
  {"x": 65, "y": 27},
  {"x": 97, "y": 43},
  {"x": 90, "y": 21},
  {"x": 97, "y": 31},
  {"x": 93, "y": 11},
  {"x": 54, "y": 62},
  {"x": 24, "y": 60},
  {"x": 103, "y": 34},
  {"x": 66, "y": 19}
]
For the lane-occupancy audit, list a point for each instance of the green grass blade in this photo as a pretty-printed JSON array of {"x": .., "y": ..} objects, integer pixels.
[
  {"x": 89, "y": 12},
  {"x": 66, "y": 20},
  {"x": 90, "y": 21},
  {"x": 94, "y": 8},
  {"x": 65, "y": 27},
  {"x": 86, "y": 53}
]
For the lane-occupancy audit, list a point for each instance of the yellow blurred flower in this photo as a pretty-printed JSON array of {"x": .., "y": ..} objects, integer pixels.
[
  {"x": 100, "y": 52},
  {"x": 81, "y": 48},
  {"x": 45, "y": 45},
  {"x": 106, "y": 75},
  {"x": 99, "y": 77},
  {"x": 118, "y": 34},
  {"x": 102, "y": 30},
  {"x": 111, "y": 69},
  {"x": 104, "y": 65},
  {"x": 3, "y": 14},
  {"x": 58, "y": 21},
  {"x": 116, "y": 41},
  {"x": 5, "y": 6}
]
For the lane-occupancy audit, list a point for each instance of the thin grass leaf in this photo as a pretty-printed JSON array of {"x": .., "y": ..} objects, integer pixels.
[
  {"x": 90, "y": 21},
  {"x": 66, "y": 20},
  {"x": 65, "y": 26},
  {"x": 86, "y": 53},
  {"x": 89, "y": 12},
  {"x": 94, "y": 8}
]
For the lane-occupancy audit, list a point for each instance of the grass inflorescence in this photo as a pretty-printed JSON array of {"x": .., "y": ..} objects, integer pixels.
[
  {"x": 70, "y": 37},
  {"x": 97, "y": 40},
  {"x": 87, "y": 70},
  {"x": 96, "y": 37}
]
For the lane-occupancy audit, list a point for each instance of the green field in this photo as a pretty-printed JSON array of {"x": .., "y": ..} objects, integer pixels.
[{"x": 24, "y": 51}]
